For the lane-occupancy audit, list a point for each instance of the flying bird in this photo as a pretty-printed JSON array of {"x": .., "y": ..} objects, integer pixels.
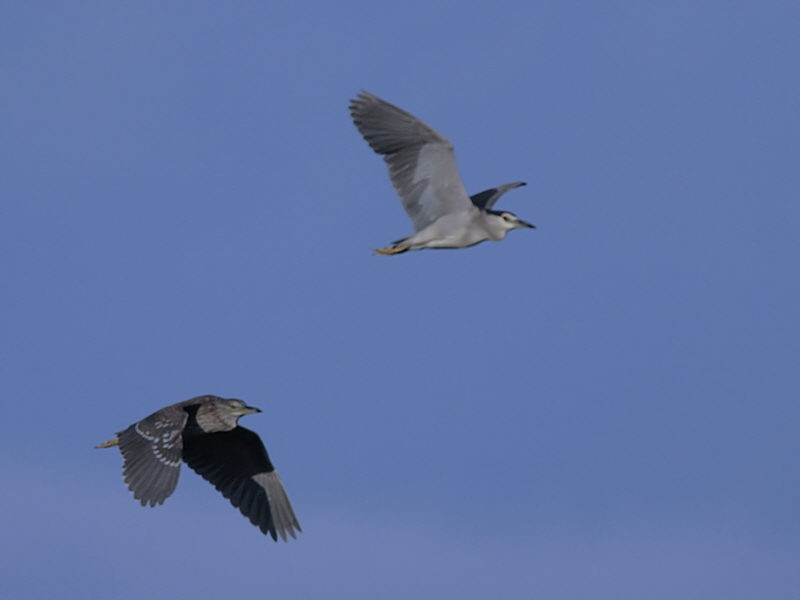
[
  {"x": 204, "y": 433},
  {"x": 422, "y": 167}
]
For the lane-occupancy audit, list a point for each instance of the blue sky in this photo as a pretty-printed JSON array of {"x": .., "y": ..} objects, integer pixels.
[{"x": 605, "y": 407}]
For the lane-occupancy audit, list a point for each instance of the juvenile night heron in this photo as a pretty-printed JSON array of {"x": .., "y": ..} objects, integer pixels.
[
  {"x": 204, "y": 433},
  {"x": 422, "y": 167}
]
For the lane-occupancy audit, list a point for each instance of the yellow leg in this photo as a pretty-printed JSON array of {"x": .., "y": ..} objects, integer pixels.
[
  {"x": 109, "y": 443},
  {"x": 391, "y": 250}
]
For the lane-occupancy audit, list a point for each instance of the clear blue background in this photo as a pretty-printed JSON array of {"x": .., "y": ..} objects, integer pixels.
[{"x": 605, "y": 407}]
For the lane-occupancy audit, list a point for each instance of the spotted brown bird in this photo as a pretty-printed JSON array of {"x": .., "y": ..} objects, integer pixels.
[{"x": 205, "y": 434}]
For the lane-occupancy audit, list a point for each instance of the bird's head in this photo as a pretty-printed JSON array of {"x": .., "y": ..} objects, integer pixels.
[
  {"x": 239, "y": 408},
  {"x": 508, "y": 220},
  {"x": 222, "y": 414}
]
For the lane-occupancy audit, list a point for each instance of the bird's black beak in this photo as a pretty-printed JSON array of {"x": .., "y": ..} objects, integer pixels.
[
  {"x": 526, "y": 224},
  {"x": 253, "y": 409}
]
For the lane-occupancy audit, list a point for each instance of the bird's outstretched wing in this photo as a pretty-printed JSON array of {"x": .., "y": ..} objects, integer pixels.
[
  {"x": 237, "y": 464},
  {"x": 421, "y": 161},
  {"x": 486, "y": 199},
  {"x": 152, "y": 450}
]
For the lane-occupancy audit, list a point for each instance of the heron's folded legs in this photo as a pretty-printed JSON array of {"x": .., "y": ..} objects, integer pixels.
[{"x": 391, "y": 250}]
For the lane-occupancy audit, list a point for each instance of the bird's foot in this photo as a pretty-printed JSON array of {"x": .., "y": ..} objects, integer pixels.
[
  {"x": 109, "y": 443},
  {"x": 391, "y": 250}
]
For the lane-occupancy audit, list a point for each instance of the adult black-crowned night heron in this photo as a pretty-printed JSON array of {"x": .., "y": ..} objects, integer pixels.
[
  {"x": 204, "y": 432},
  {"x": 423, "y": 169}
]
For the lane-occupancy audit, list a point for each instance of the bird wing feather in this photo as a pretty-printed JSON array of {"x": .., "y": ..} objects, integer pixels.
[
  {"x": 151, "y": 451},
  {"x": 421, "y": 161},
  {"x": 488, "y": 198},
  {"x": 237, "y": 464}
]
